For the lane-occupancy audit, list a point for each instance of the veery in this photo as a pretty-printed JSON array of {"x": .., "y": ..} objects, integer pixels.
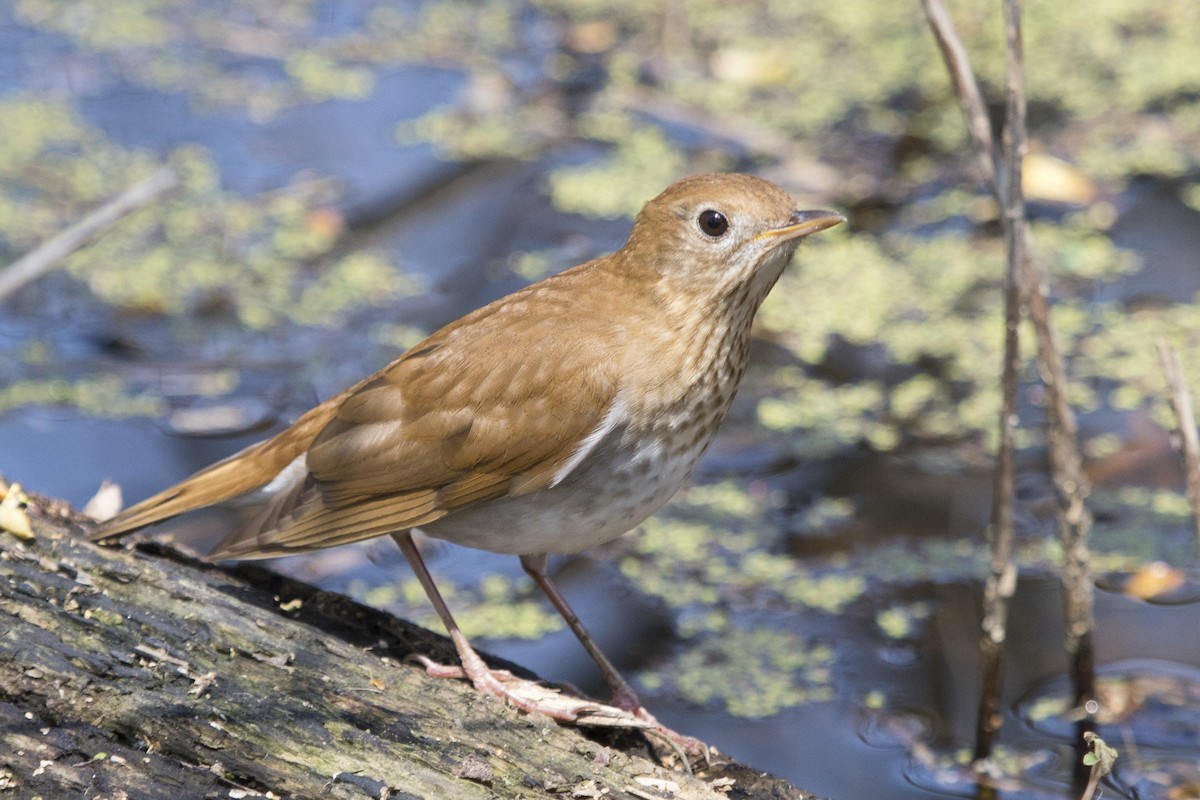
[{"x": 549, "y": 421}]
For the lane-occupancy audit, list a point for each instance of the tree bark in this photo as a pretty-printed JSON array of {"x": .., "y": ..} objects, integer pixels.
[{"x": 138, "y": 673}]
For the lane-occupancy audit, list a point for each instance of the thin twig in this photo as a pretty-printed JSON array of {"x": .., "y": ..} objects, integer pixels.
[
  {"x": 1002, "y": 577},
  {"x": 1185, "y": 415},
  {"x": 1074, "y": 520},
  {"x": 966, "y": 89},
  {"x": 46, "y": 256}
]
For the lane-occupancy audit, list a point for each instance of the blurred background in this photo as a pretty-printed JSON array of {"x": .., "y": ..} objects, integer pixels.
[{"x": 355, "y": 174}]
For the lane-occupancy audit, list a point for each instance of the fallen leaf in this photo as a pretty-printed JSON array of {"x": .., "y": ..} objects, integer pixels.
[
  {"x": 12, "y": 517},
  {"x": 1154, "y": 579},
  {"x": 1053, "y": 180}
]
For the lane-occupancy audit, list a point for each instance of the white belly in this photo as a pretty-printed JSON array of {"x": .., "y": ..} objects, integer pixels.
[{"x": 611, "y": 492}]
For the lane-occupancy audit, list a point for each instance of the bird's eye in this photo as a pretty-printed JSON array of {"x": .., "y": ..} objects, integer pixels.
[{"x": 713, "y": 223}]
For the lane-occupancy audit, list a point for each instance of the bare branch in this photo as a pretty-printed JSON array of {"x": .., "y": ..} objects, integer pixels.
[
  {"x": 966, "y": 88},
  {"x": 49, "y": 254},
  {"x": 1185, "y": 415},
  {"x": 1074, "y": 520},
  {"x": 1002, "y": 576}
]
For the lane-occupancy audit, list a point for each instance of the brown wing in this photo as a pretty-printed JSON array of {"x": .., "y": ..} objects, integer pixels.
[{"x": 491, "y": 406}]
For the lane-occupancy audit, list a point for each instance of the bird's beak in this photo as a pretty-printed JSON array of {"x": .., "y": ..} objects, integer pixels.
[{"x": 803, "y": 223}]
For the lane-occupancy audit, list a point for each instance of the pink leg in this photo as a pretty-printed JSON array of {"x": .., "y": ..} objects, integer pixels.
[
  {"x": 531, "y": 696},
  {"x": 524, "y": 694},
  {"x": 623, "y": 695},
  {"x": 473, "y": 667}
]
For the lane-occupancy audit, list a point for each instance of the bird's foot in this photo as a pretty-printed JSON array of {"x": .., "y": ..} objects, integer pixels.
[
  {"x": 535, "y": 697},
  {"x": 435, "y": 670},
  {"x": 624, "y": 711}
]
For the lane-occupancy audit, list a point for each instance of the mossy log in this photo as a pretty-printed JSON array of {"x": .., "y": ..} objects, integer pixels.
[{"x": 138, "y": 673}]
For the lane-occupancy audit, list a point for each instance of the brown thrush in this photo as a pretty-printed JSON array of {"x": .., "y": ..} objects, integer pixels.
[{"x": 549, "y": 421}]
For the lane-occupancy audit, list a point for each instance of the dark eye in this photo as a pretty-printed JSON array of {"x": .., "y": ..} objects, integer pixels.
[{"x": 713, "y": 223}]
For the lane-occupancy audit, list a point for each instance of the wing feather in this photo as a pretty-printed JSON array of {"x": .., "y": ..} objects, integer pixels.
[{"x": 475, "y": 413}]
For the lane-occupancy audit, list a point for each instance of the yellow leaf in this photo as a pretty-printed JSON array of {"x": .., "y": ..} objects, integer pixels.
[
  {"x": 1053, "y": 180},
  {"x": 1154, "y": 579},
  {"x": 12, "y": 517}
]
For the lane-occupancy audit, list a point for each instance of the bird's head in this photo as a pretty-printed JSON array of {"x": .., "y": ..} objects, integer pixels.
[{"x": 721, "y": 232}]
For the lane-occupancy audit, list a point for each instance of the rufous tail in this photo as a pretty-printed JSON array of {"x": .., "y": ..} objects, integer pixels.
[
  {"x": 222, "y": 481},
  {"x": 243, "y": 472}
]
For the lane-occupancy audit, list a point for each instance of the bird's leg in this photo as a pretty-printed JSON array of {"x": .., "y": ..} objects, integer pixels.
[
  {"x": 525, "y": 694},
  {"x": 473, "y": 667},
  {"x": 529, "y": 695},
  {"x": 623, "y": 695}
]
